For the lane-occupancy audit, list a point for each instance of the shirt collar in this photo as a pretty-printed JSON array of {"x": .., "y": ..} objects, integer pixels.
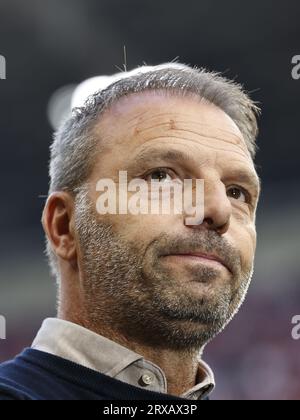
[{"x": 86, "y": 348}]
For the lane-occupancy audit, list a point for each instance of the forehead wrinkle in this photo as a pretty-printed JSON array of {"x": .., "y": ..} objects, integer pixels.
[
  {"x": 167, "y": 123},
  {"x": 145, "y": 113},
  {"x": 187, "y": 122},
  {"x": 231, "y": 133},
  {"x": 174, "y": 126},
  {"x": 239, "y": 144},
  {"x": 164, "y": 153},
  {"x": 197, "y": 142},
  {"x": 150, "y": 117}
]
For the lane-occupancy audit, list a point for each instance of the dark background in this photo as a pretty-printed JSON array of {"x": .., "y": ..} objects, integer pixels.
[{"x": 57, "y": 43}]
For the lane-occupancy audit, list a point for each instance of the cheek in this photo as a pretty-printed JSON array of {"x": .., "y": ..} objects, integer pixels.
[
  {"x": 138, "y": 228},
  {"x": 143, "y": 228},
  {"x": 245, "y": 240}
]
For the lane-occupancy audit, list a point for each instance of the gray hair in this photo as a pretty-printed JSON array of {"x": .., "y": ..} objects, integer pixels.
[{"x": 75, "y": 143}]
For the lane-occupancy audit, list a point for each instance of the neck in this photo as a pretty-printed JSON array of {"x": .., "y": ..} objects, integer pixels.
[{"x": 179, "y": 367}]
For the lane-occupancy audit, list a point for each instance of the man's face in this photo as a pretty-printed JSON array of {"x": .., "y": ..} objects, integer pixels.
[{"x": 135, "y": 269}]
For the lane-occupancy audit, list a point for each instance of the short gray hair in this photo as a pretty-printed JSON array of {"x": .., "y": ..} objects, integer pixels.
[{"x": 75, "y": 143}]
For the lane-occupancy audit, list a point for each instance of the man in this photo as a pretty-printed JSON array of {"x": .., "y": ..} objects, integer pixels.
[{"x": 141, "y": 294}]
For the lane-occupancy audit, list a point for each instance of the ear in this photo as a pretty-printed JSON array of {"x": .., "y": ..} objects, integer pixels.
[{"x": 58, "y": 223}]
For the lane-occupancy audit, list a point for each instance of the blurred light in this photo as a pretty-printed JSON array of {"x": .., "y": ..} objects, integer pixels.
[
  {"x": 89, "y": 87},
  {"x": 71, "y": 96},
  {"x": 59, "y": 105},
  {"x": 95, "y": 84}
]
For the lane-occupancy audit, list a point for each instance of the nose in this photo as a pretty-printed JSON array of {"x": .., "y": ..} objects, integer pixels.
[{"x": 217, "y": 208}]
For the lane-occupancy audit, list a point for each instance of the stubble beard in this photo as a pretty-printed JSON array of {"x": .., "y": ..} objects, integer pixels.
[{"x": 127, "y": 286}]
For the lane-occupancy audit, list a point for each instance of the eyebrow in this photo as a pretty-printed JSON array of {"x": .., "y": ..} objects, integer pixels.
[
  {"x": 246, "y": 177},
  {"x": 173, "y": 155}
]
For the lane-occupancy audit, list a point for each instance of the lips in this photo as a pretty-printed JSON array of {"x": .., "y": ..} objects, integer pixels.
[{"x": 211, "y": 257}]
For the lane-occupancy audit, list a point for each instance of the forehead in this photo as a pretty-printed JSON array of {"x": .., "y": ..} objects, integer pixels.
[{"x": 140, "y": 121}]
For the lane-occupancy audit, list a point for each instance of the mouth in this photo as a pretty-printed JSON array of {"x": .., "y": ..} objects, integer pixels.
[{"x": 203, "y": 258}]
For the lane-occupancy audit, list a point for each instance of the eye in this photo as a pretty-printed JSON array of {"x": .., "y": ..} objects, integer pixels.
[
  {"x": 159, "y": 175},
  {"x": 238, "y": 193}
]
